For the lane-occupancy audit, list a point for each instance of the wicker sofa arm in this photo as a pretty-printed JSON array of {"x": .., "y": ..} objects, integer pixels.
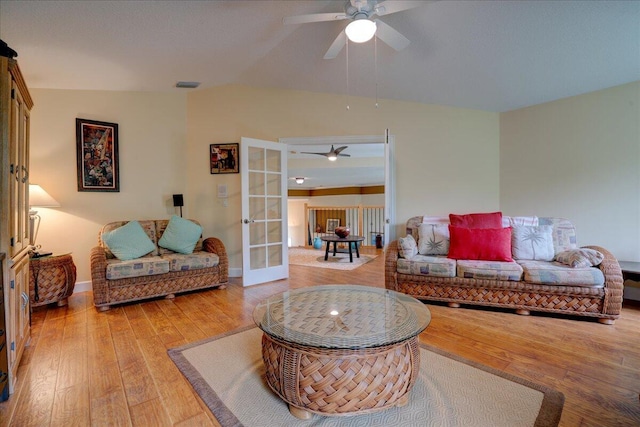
[
  {"x": 98, "y": 260},
  {"x": 215, "y": 245},
  {"x": 390, "y": 266},
  {"x": 613, "y": 281}
]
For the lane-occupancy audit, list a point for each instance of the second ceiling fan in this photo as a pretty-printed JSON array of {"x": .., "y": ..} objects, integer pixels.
[
  {"x": 362, "y": 13},
  {"x": 333, "y": 154}
]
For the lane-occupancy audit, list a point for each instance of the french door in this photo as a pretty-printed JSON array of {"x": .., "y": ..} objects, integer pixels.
[{"x": 263, "y": 170}]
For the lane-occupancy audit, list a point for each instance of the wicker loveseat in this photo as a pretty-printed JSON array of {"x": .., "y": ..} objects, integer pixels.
[
  {"x": 161, "y": 272},
  {"x": 525, "y": 291}
]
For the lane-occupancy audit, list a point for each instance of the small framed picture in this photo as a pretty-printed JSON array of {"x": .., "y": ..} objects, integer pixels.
[
  {"x": 332, "y": 224},
  {"x": 224, "y": 158},
  {"x": 97, "y": 156}
]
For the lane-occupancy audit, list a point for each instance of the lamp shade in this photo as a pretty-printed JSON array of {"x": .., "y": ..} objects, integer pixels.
[
  {"x": 40, "y": 198},
  {"x": 360, "y": 30}
]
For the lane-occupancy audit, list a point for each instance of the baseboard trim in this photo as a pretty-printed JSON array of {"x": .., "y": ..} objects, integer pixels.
[{"x": 83, "y": 287}]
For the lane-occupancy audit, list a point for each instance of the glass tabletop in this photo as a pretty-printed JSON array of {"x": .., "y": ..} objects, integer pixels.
[{"x": 342, "y": 316}]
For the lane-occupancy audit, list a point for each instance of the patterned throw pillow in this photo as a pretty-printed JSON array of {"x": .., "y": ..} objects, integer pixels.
[
  {"x": 533, "y": 243},
  {"x": 433, "y": 239},
  {"x": 181, "y": 235},
  {"x": 580, "y": 258},
  {"x": 128, "y": 242},
  {"x": 407, "y": 247}
]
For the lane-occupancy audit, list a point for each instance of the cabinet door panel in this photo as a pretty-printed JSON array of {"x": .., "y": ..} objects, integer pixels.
[{"x": 19, "y": 169}]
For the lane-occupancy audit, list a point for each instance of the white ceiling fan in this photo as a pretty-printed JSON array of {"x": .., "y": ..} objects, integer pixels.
[
  {"x": 333, "y": 154},
  {"x": 363, "y": 25}
]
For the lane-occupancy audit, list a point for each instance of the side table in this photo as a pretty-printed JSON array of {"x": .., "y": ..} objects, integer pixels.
[
  {"x": 631, "y": 278},
  {"x": 51, "y": 279}
]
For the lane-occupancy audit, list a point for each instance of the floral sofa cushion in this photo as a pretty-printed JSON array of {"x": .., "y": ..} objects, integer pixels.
[
  {"x": 489, "y": 270},
  {"x": 554, "y": 273},
  {"x": 144, "y": 266},
  {"x": 564, "y": 233},
  {"x": 194, "y": 261},
  {"x": 426, "y": 265}
]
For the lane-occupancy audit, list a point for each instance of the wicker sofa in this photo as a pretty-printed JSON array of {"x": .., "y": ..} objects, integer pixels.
[
  {"x": 523, "y": 292},
  {"x": 116, "y": 281}
]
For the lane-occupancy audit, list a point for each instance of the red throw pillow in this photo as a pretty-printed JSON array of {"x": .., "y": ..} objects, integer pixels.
[
  {"x": 486, "y": 244},
  {"x": 477, "y": 220}
]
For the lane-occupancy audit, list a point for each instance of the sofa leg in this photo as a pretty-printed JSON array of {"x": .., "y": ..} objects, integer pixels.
[
  {"x": 606, "y": 321},
  {"x": 104, "y": 308},
  {"x": 222, "y": 287},
  {"x": 170, "y": 296},
  {"x": 454, "y": 304},
  {"x": 523, "y": 312}
]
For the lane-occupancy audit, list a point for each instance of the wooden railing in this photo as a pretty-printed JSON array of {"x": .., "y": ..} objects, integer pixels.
[{"x": 366, "y": 221}]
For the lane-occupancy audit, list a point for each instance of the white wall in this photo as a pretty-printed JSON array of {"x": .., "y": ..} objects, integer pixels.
[
  {"x": 152, "y": 134},
  {"x": 578, "y": 158}
]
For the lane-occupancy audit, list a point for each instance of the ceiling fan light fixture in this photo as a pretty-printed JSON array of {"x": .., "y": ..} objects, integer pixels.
[
  {"x": 332, "y": 157},
  {"x": 299, "y": 180},
  {"x": 361, "y": 30}
]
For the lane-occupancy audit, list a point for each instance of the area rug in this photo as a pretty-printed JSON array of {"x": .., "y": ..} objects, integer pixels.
[
  {"x": 315, "y": 258},
  {"x": 227, "y": 372}
]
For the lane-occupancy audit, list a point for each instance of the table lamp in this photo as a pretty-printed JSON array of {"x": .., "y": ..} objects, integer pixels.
[{"x": 38, "y": 198}]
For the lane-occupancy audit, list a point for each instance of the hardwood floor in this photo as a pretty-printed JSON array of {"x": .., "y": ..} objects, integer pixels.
[{"x": 85, "y": 368}]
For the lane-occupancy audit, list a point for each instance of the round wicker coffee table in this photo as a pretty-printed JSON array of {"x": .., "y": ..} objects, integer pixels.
[{"x": 341, "y": 349}]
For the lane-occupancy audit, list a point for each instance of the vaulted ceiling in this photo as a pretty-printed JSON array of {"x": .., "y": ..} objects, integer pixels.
[{"x": 489, "y": 55}]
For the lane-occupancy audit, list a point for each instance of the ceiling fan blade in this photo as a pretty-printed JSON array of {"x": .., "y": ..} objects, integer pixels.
[
  {"x": 319, "y": 154},
  {"x": 336, "y": 46},
  {"x": 391, "y": 36},
  {"x": 339, "y": 149},
  {"x": 314, "y": 17},
  {"x": 344, "y": 155},
  {"x": 387, "y": 7}
]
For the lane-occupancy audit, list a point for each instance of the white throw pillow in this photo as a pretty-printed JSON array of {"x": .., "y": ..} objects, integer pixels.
[
  {"x": 534, "y": 243},
  {"x": 433, "y": 239},
  {"x": 407, "y": 247}
]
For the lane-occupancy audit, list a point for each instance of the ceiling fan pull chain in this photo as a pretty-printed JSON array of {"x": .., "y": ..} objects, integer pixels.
[
  {"x": 375, "y": 65},
  {"x": 347, "y": 55}
]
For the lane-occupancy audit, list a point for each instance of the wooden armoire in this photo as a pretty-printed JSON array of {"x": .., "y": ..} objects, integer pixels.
[{"x": 15, "y": 106}]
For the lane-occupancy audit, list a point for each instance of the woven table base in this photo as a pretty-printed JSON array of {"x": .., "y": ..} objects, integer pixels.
[
  {"x": 51, "y": 279},
  {"x": 340, "y": 382}
]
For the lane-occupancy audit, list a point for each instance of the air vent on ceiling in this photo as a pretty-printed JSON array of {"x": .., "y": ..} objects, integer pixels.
[{"x": 188, "y": 85}]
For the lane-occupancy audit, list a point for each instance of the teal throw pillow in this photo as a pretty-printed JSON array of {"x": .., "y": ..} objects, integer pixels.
[
  {"x": 181, "y": 235},
  {"x": 129, "y": 241}
]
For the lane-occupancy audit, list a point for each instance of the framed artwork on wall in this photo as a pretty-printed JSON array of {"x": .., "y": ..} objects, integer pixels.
[
  {"x": 97, "y": 156},
  {"x": 332, "y": 224},
  {"x": 224, "y": 158}
]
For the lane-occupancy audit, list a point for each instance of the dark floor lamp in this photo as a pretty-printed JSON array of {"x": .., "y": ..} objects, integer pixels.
[{"x": 178, "y": 201}]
